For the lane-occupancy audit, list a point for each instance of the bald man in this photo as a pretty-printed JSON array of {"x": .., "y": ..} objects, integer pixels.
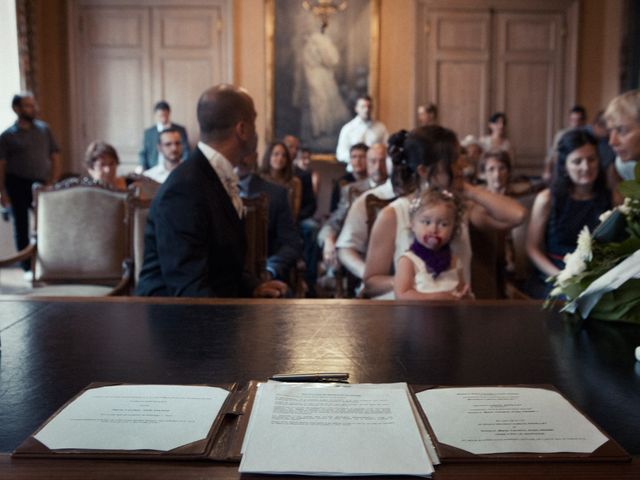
[{"x": 194, "y": 238}]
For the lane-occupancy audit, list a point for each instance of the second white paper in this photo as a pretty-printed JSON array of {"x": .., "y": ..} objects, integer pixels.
[{"x": 485, "y": 420}]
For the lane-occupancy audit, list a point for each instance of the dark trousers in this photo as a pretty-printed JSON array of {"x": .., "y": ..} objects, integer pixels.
[
  {"x": 310, "y": 253},
  {"x": 21, "y": 196}
]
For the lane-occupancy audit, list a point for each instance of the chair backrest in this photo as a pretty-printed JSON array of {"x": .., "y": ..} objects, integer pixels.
[
  {"x": 256, "y": 224},
  {"x": 139, "y": 212},
  {"x": 488, "y": 263},
  {"x": 82, "y": 233},
  {"x": 373, "y": 205}
]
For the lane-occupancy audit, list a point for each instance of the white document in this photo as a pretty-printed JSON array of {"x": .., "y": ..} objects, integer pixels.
[
  {"x": 135, "y": 417},
  {"x": 334, "y": 429},
  {"x": 484, "y": 420}
]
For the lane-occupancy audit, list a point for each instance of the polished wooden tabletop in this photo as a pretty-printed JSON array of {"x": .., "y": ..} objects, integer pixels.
[{"x": 51, "y": 349}]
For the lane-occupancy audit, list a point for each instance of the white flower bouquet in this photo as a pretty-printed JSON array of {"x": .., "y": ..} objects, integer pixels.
[{"x": 601, "y": 278}]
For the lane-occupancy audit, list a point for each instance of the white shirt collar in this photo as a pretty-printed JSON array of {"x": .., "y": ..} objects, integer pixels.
[
  {"x": 220, "y": 164},
  {"x": 161, "y": 127}
]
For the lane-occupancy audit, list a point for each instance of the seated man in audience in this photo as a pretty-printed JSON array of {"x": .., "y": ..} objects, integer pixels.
[
  {"x": 170, "y": 146},
  {"x": 284, "y": 245},
  {"x": 194, "y": 240},
  {"x": 376, "y": 175},
  {"x": 149, "y": 155},
  {"x": 354, "y": 237},
  {"x": 357, "y": 172}
]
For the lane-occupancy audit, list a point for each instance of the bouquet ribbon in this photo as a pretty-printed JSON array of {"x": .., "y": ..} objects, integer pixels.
[{"x": 614, "y": 278}]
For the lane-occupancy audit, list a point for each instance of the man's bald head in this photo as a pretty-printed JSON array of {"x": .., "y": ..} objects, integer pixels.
[{"x": 220, "y": 109}]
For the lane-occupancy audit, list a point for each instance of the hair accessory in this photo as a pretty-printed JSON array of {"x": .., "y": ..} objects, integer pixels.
[
  {"x": 414, "y": 204},
  {"x": 447, "y": 194}
]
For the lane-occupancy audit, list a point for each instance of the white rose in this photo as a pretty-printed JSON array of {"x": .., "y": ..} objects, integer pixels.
[
  {"x": 584, "y": 245},
  {"x": 605, "y": 215}
]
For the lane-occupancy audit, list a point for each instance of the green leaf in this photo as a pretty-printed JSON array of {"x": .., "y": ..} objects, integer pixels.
[{"x": 630, "y": 188}]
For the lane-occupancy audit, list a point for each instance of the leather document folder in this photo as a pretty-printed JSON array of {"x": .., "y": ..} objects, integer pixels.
[
  {"x": 224, "y": 440},
  {"x": 610, "y": 451},
  {"x": 222, "y": 443}
]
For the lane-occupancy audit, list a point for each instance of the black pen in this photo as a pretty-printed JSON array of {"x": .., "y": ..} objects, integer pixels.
[{"x": 310, "y": 377}]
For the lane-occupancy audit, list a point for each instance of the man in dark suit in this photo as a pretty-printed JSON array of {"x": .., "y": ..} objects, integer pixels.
[
  {"x": 149, "y": 154},
  {"x": 284, "y": 244},
  {"x": 194, "y": 238}
]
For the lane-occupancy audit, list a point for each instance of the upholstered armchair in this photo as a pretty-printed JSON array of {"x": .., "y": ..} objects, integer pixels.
[{"x": 82, "y": 240}]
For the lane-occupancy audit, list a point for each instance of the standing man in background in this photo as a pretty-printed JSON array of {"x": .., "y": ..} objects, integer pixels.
[
  {"x": 149, "y": 155},
  {"x": 28, "y": 154},
  {"x": 361, "y": 129}
]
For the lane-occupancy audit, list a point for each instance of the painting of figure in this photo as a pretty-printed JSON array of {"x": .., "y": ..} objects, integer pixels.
[{"x": 318, "y": 75}]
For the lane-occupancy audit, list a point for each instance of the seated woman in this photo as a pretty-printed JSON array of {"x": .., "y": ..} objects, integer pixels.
[
  {"x": 429, "y": 156},
  {"x": 578, "y": 195},
  {"x": 497, "y": 138},
  {"x": 277, "y": 167},
  {"x": 101, "y": 160},
  {"x": 495, "y": 166}
]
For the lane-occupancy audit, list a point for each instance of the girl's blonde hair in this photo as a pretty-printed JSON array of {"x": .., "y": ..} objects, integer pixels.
[{"x": 431, "y": 196}]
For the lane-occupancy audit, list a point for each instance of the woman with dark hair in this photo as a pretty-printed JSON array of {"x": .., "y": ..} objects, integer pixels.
[
  {"x": 429, "y": 156},
  {"x": 495, "y": 166},
  {"x": 102, "y": 161},
  {"x": 277, "y": 167},
  {"x": 577, "y": 197},
  {"x": 497, "y": 138}
]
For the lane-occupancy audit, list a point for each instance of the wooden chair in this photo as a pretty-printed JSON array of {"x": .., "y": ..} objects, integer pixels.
[
  {"x": 488, "y": 263},
  {"x": 82, "y": 240},
  {"x": 256, "y": 223},
  {"x": 139, "y": 208},
  {"x": 373, "y": 205}
]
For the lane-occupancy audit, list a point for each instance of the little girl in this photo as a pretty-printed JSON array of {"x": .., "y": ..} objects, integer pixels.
[{"x": 428, "y": 270}]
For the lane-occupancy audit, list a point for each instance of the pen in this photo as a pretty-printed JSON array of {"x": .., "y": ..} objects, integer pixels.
[{"x": 310, "y": 377}]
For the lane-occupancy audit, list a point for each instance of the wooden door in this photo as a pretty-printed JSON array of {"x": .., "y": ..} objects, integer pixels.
[
  {"x": 483, "y": 56},
  {"x": 457, "y": 72},
  {"x": 113, "y": 75},
  {"x": 528, "y": 66},
  {"x": 189, "y": 56},
  {"x": 127, "y": 54}
]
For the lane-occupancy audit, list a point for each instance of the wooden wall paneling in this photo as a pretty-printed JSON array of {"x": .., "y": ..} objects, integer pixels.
[
  {"x": 114, "y": 78},
  {"x": 529, "y": 82},
  {"x": 476, "y": 57},
  {"x": 189, "y": 55}
]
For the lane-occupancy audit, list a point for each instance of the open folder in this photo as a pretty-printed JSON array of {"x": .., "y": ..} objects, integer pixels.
[
  {"x": 165, "y": 422},
  {"x": 209, "y": 422},
  {"x": 518, "y": 423}
]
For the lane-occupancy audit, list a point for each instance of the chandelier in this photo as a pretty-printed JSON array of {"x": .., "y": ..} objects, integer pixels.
[{"x": 323, "y": 9}]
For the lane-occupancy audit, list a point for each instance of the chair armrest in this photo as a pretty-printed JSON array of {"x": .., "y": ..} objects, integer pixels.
[
  {"x": 124, "y": 285},
  {"x": 23, "y": 254}
]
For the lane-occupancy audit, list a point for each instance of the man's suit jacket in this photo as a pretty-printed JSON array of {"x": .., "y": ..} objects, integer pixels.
[
  {"x": 194, "y": 241},
  {"x": 284, "y": 242},
  {"x": 149, "y": 152}
]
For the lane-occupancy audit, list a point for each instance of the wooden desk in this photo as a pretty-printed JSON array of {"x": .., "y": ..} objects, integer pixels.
[{"x": 52, "y": 349}]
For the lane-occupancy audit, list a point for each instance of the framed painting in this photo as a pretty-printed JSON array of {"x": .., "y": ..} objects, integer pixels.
[{"x": 315, "y": 75}]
